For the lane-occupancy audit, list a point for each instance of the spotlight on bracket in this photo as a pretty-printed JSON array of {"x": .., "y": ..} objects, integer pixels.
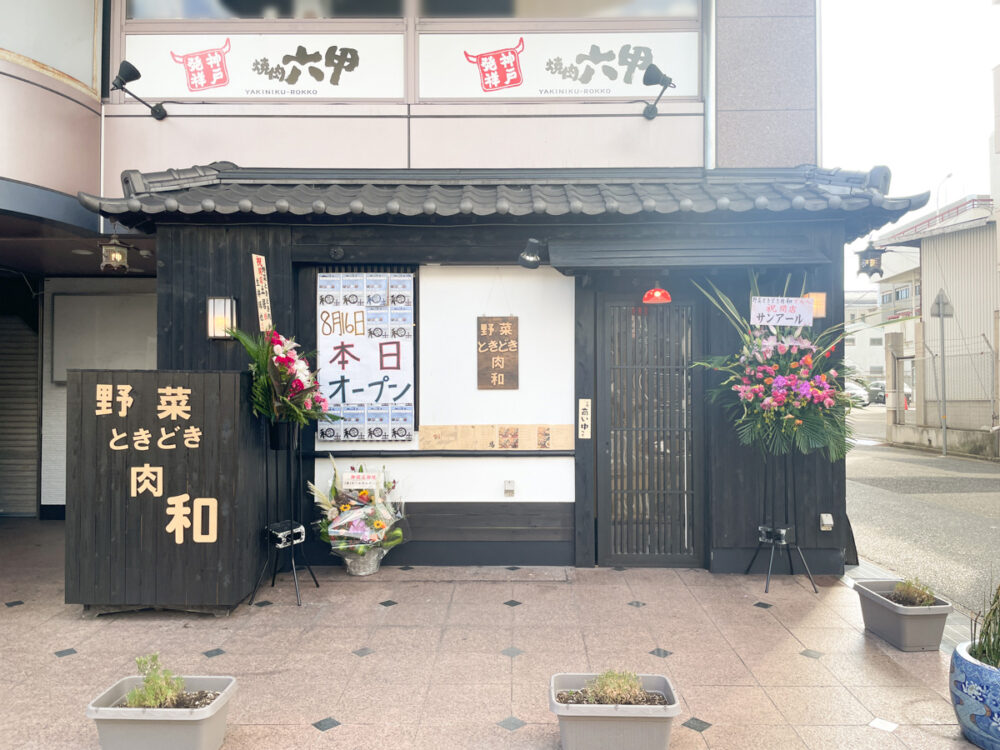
[
  {"x": 655, "y": 77},
  {"x": 127, "y": 73},
  {"x": 529, "y": 257}
]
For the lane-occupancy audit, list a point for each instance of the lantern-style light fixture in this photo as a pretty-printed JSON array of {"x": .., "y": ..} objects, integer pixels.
[
  {"x": 221, "y": 314},
  {"x": 870, "y": 260},
  {"x": 114, "y": 255},
  {"x": 656, "y": 296},
  {"x": 819, "y": 303}
]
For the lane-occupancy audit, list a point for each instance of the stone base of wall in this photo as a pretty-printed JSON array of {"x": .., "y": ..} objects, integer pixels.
[{"x": 977, "y": 443}]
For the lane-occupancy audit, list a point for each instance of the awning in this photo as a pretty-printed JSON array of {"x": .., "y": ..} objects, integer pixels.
[{"x": 223, "y": 191}]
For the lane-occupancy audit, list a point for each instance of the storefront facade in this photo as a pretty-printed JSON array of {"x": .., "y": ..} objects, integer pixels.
[{"x": 464, "y": 138}]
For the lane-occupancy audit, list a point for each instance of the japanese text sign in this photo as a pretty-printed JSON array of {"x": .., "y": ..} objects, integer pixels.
[
  {"x": 496, "y": 353},
  {"x": 147, "y": 427},
  {"x": 263, "y": 293},
  {"x": 359, "y": 480},
  {"x": 526, "y": 66},
  {"x": 781, "y": 311},
  {"x": 268, "y": 66},
  {"x": 364, "y": 333}
]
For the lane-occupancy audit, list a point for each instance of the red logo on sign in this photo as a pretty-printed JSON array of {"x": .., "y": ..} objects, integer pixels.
[
  {"x": 500, "y": 69},
  {"x": 206, "y": 69}
]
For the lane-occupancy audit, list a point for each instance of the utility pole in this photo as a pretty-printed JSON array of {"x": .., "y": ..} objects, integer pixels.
[{"x": 942, "y": 308}]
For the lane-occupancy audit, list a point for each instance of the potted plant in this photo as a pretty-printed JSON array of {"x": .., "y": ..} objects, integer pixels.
[
  {"x": 613, "y": 710},
  {"x": 904, "y": 613},
  {"x": 974, "y": 679},
  {"x": 159, "y": 711},
  {"x": 285, "y": 390},
  {"x": 360, "y": 521}
]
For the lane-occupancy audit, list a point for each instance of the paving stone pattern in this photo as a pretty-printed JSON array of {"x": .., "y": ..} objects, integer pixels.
[{"x": 453, "y": 664}]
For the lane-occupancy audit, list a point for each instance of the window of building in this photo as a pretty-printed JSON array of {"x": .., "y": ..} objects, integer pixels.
[
  {"x": 157, "y": 10},
  {"x": 887, "y": 298},
  {"x": 916, "y": 290},
  {"x": 877, "y": 370},
  {"x": 853, "y": 317},
  {"x": 558, "y": 8},
  {"x": 903, "y": 293},
  {"x": 849, "y": 341},
  {"x": 875, "y": 341}
]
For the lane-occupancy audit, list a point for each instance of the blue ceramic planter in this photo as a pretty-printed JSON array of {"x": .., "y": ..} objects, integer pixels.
[{"x": 975, "y": 694}]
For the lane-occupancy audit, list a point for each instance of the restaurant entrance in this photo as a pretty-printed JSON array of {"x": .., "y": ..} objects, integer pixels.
[{"x": 649, "y": 510}]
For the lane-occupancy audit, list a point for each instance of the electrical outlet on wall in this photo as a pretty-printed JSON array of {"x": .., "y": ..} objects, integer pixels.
[{"x": 508, "y": 488}]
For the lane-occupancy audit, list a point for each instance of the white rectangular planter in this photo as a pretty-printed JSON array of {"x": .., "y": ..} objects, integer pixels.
[
  {"x": 906, "y": 628},
  {"x": 162, "y": 728},
  {"x": 589, "y": 726}
]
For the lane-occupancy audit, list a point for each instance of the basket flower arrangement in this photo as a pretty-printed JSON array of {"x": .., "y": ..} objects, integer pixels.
[
  {"x": 360, "y": 522},
  {"x": 781, "y": 387},
  {"x": 285, "y": 388}
]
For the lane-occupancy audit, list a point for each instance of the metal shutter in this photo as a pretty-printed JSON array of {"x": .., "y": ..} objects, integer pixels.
[{"x": 19, "y": 438}]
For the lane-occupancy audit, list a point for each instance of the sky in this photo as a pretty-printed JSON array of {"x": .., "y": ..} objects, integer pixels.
[{"x": 909, "y": 84}]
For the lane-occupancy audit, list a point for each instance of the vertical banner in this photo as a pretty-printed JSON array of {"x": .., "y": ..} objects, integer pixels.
[
  {"x": 496, "y": 353},
  {"x": 364, "y": 337},
  {"x": 263, "y": 293}
]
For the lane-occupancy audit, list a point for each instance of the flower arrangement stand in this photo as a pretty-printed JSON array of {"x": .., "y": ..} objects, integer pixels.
[
  {"x": 778, "y": 537},
  {"x": 288, "y": 534}
]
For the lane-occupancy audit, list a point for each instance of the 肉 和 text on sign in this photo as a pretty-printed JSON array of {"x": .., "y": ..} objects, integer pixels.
[
  {"x": 166, "y": 488},
  {"x": 496, "y": 353}
]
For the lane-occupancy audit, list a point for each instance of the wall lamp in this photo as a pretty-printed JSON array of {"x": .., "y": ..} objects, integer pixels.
[
  {"x": 221, "y": 315},
  {"x": 127, "y": 73},
  {"x": 655, "y": 77},
  {"x": 530, "y": 257},
  {"x": 114, "y": 255}
]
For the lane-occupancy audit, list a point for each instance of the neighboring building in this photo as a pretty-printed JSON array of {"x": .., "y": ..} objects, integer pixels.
[
  {"x": 860, "y": 316},
  {"x": 426, "y": 149},
  {"x": 959, "y": 257}
]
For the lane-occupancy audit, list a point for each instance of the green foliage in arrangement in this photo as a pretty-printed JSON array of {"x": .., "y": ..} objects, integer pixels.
[
  {"x": 617, "y": 688},
  {"x": 159, "y": 689},
  {"x": 782, "y": 388},
  {"x": 912, "y": 593},
  {"x": 986, "y": 633}
]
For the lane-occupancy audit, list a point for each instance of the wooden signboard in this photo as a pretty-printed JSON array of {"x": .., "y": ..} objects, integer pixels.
[
  {"x": 166, "y": 495},
  {"x": 497, "y": 349}
]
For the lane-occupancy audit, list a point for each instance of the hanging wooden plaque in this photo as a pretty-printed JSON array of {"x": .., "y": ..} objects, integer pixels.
[{"x": 497, "y": 351}]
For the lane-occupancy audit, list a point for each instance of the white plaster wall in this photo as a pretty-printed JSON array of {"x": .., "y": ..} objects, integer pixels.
[
  {"x": 54, "y": 394},
  {"x": 451, "y": 298},
  {"x": 479, "y": 479},
  {"x": 59, "y": 34}
]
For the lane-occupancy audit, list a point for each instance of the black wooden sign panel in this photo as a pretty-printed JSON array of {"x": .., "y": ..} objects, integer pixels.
[{"x": 166, "y": 488}]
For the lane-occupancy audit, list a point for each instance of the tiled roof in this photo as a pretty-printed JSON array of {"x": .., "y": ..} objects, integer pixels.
[{"x": 223, "y": 189}]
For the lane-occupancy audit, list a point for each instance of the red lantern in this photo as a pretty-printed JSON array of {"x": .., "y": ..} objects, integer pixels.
[{"x": 656, "y": 296}]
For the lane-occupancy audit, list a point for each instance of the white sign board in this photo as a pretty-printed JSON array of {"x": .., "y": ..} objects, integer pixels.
[
  {"x": 267, "y": 66},
  {"x": 359, "y": 480},
  {"x": 364, "y": 325},
  {"x": 263, "y": 293},
  {"x": 531, "y": 66},
  {"x": 781, "y": 311}
]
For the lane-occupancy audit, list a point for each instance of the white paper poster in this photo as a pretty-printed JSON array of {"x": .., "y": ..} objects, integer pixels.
[{"x": 365, "y": 354}]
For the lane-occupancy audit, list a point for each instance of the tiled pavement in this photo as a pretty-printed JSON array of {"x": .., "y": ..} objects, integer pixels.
[{"x": 461, "y": 657}]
